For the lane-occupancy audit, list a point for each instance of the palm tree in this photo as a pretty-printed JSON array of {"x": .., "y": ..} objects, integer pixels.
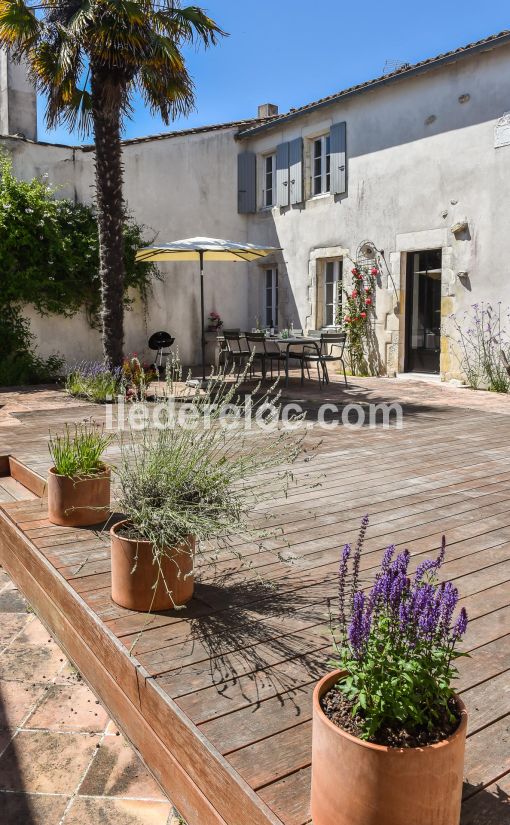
[{"x": 89, "y": 57}]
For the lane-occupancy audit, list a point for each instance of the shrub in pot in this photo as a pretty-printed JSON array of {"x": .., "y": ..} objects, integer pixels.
[
  {"x": 187, "y": 485},
  {"x": 388, "y": 730},
  {"x": 79, "y": 481}
]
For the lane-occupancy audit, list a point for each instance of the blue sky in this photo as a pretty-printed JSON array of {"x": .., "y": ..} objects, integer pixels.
[{"x": 291, "y": 52}]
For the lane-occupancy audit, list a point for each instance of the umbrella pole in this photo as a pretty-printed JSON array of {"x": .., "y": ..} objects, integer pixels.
[{"x": 202, "y": 311}]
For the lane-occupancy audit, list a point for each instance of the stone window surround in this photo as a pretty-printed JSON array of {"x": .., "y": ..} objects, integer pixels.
[{"x": 314, "y": 265}]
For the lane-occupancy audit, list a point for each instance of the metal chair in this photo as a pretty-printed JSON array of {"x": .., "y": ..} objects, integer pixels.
[
  {"x": 320, "y": 353},
  {"x": 264, "y": 350},
  {"x": 234, "y": 349}
]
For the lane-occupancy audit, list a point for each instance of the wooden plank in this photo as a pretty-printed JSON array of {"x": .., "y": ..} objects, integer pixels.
[
  {"x": 289, "y": 798},
  {"x": 489, "y": 806},
  {"x": 26, "y": 476}
]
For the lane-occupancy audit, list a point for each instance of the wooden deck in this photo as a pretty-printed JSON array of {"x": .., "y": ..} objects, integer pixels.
[{"x": 218, "y": 698}]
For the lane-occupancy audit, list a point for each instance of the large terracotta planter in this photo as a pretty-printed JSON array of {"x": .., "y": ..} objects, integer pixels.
[
  {"x": 358, "y": 783},
  {"x": 78, "y": 502},
  {"x": 134, "y": 574}
]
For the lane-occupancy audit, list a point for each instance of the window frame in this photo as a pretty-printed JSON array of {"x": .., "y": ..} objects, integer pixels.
[
  {"x": 272, "y": 158},
  {"x": 324, "y": 158},
  {"x": 270, "y": 308},
  {"x": 337, "y": 303}
]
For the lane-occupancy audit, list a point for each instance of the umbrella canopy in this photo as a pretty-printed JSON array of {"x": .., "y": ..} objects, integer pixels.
[
  {"x": 210, "y": 249},
  {"x": 204, "y": 249}
]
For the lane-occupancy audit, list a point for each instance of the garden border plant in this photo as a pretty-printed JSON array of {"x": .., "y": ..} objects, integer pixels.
[{"x": 483, "y": 334}]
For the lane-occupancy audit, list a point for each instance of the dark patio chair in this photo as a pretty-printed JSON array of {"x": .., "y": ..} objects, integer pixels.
[
  {"x": 264, "y": 351},
  {"x": 321, "y": 354},
  {"x": 236, "y": 350}
]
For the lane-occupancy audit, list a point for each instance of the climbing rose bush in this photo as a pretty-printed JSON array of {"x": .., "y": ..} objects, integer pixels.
[
  {"x": 398, "y": 641},
  {"x": 358, "y": 306}
]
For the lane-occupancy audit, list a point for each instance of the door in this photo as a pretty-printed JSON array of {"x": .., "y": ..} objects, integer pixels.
[{"x": 423, "y": 311}]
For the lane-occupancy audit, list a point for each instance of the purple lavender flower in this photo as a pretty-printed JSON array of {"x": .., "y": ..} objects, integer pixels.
[
  {"x": 460, "y": 625},
  {"x": 357, "y": 625}
]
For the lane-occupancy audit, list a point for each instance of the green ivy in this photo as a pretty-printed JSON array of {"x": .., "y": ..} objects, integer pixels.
[{"x": 49, "y": 257}]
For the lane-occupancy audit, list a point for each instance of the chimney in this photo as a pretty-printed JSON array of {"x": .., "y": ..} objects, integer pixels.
[
  {"x": 267, "y": 110},
  {"x": 18, "y": 103}
]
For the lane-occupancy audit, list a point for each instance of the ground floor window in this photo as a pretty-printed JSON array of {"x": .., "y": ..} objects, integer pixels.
[
  {"x": 332, "y": 293},
  {"x": 271, "y": 297}
]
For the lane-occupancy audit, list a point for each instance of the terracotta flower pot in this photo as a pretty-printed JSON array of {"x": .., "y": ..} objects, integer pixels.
[
  {"x": 78, "y": 502},
  {"x": 134, "y": 573},
  {"x": 357, "y": 783}
]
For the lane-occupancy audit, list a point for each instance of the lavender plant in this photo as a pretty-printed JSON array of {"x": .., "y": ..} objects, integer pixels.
[
  {"x": 398, "y": 641},
  {"x": 483, "y": 334},
  {"x": 95, "y": 381}
]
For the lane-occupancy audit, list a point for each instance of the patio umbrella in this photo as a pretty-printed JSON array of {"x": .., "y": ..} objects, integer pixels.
[{"x": 204, "y": 249}]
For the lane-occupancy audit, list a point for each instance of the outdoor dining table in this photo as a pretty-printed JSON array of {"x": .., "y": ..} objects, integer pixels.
[{"x": 295, "y": 340}]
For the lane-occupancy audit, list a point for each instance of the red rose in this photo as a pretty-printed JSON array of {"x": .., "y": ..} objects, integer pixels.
[
  {"x": 369, "y": 301},
  {"x": 363, "y": 314},
  {"x": 354, "y": 271},
  {"x": 354, "y": 293},
  {"x": 368, "y": 289},
  {"x": 374, "y": 271}
]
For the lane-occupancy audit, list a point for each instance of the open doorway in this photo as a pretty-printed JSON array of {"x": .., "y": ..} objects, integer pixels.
[{"x": 423, "y": 312}]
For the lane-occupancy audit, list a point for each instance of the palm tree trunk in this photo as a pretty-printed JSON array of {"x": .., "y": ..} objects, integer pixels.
[{"x": 106, "y": 108}]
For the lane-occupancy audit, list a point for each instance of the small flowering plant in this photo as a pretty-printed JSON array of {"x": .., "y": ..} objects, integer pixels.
[
  {"x": 215, "y": 321},
  {"x": 398, "y": 642}
]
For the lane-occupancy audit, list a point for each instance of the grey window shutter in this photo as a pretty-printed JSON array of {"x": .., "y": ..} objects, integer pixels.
[
  {"x": 246, "y": 182},
  {"x": 296, "y": 170},
  {"x": 338, "y": 150},
  {"x": 282, "y": 175}
]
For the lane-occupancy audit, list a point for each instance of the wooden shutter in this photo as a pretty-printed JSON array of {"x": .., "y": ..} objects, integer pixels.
[
  {"x": 246, "y": 182},
  {"x": 296, "y": 170},
  {"x": 338, "y": 150},
  {"x": 282, "y": 175}
]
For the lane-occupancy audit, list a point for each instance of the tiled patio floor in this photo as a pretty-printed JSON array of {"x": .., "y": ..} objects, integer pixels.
[{"x": 62, "y": 760}]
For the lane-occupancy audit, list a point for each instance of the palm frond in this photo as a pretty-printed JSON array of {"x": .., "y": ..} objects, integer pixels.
[{"x": 19, "y": 28}]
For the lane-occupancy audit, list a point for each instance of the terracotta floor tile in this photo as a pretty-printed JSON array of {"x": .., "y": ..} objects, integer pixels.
[
  {"x": 33, "y": 655},
  {"x": 29, "y": 809},
  {"x": 10, "y": 624},
  {"x": 118, "y": 812},
  {"x": 11, "y": 600},
  {"x": 46, "y": 762},
  {"x": 69, "y": 707},
  {"x": 68, "y": 675},
  {"x": 117, "y": 771},
  {"x": 112, "y": 729},
  {"x": 16, "y": 699},
  {"x": 5, "y": 737}
]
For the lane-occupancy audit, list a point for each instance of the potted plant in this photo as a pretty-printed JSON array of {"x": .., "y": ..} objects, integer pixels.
[
  {"x": 190, "y": 481},
  {"x": 388, "y": 730},
  {"x": 79, "y": 480},
  {"x": 215, "y": 322}
]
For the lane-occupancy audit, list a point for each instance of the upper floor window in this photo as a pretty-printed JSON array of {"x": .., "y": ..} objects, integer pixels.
[
  {"x": 269, "y": 180},
  {"x": 321, "y": 178}
]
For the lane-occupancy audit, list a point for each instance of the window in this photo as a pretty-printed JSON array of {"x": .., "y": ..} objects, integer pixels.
[
  {"x": 332, "y": 293},
  {"x": 271, "y": 298},
  {"x": 321, "y": 179},
  {"x": 268, "y": 195}
]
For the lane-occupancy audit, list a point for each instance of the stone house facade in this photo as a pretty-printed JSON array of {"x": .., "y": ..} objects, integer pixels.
[{"x": 414, "y": 165}]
